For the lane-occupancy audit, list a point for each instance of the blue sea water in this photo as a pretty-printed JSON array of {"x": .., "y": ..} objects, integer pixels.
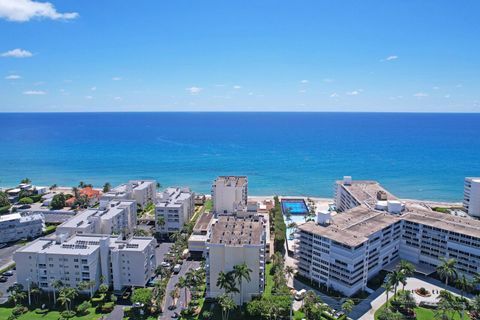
[{"x": 423, "y": 156}]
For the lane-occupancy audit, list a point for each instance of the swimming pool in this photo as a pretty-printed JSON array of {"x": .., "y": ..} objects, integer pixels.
[{"x": 295, "y": 206}]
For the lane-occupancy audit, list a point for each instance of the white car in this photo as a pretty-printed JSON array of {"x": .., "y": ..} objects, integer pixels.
[{"x": 177, "y": 268}]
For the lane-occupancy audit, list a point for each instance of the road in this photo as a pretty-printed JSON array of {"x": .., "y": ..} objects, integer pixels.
[
  {"x": 187, "y": 265},
  {"x": 6, "y": 254}
]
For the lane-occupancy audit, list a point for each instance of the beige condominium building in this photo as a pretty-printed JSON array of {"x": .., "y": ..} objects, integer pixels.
[
  {"x": 142, "y": 191},
  {"x": 229, "y": 194},
  {"x": 174, "y": 208},
  {"x": 116, "y": 216},
  {"x": 233, "y": 241},
  {"x": 373, "y": 230},
  {"x": 122, "y": 263}
]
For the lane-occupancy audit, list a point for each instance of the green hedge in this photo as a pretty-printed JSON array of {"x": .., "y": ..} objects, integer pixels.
[
  {"x": 280, "y": 227},
  {"x": 36, "y": 197},
  {"x": 4, "y": 209}
]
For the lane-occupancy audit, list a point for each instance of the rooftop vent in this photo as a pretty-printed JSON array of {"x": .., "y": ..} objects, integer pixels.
[{"x": 347, "y": 180}]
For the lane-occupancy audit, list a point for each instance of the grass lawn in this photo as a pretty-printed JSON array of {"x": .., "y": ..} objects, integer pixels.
[
  {"x": 208, "y": 205},
  {"x": 52, "y": 315},
  {"x": 298, "y": 315},
  {"x": 269, "y": 284}
]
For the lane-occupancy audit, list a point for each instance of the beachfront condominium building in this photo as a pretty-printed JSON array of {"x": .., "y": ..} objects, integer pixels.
[
  {"x": 116, "y": 216},
  {"x": 143, "y": 191},
  {"x": 345, "y": 250},
  {"x": 234, "y": 241},
  {"x": 200, "y": 235},
  {"x": 471, "y": 196},
  {"x": 18, "y": 226},
  {"x": 122, "y": 263},
  {"x": 229, "y": 194},
  {"x": 174, "y": 208}
]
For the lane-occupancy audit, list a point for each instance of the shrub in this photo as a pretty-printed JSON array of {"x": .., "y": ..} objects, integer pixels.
[
  {"x": 4, "y": 202},
  {"x": 279, "y": 227},
  {"x": 83, "y": 307},
  {"x": 4, "y": 209},
  {"x": 107, "y": 307},
  {"x": 67, "y": 314},
  {"x": 19, "y": 310},
  {"x": 58, "y": 201},
  {"x": 36, "y": 197},
  {"x": 41, "y": 311},
  {"x": 25, "y": 200}
]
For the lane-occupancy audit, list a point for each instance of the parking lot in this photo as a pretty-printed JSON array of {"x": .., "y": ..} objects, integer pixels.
[{"x": 5, "y": 285}]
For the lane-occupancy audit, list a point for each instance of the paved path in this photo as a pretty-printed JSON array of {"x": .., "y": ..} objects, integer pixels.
[{"x": 116, "y": 314}]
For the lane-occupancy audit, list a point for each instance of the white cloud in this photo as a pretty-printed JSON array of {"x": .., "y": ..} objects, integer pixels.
[
  {"x": 117, "y": 78},
  {"x": 24, "y": 10},
  {"x": 334, "y": 95},
  {"x": 420, "y": 94},
  {"x": 194, "y": 90},
  {"x": 354, "y": 92},
  {"x": 304, "y": 81},
  {"x": 13, "y": 77},
  {"x": 447, "y": 96},
  {"x": 34, "y": 92},
  {"x": 390, "y": 58},
  {"x": 435, "y": 88},
  {"x": 237, "y": 87},
  {"x": 17, "y": 53},
  {"x": 117, "y": 98},
  {"x": 328, "y": 80},
  {"x": 302, "y": 91},
  {"x": 250, "y": 93},
  {"x": 88, "y": 97},
  {"x": 93, "y": 88}
]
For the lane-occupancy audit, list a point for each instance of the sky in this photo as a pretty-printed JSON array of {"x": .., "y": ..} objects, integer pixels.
[{"x": 249, "y": 55}]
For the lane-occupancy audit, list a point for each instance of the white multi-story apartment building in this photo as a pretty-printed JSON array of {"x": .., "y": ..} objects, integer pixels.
[
  {"x": 229, "y": 194},
  {"x": 471, "y": 196},
  {"x": 345, "y": 250},
  {"x": 122, "y": 263},
  {"x": 233, "y": 241},
  {"x": 17, "y": 226},
  {"x": 174, "y": 208},
  {"x": 200, "y": 235},
  {"x": 143, "y": 191},
  {"x": 117, "y": 216}
]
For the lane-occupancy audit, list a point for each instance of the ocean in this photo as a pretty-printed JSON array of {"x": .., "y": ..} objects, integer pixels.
[{"x": 422, "y": 156}]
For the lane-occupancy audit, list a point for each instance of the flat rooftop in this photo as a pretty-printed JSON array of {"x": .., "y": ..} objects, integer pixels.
[
  {"x": 202, "y": 223},
  {"x": 173, "y": 197},
  {"x": 355, "y": 225},
  {"x": 352, "y": 227},
  {"x": 366, "y": 191},
  {"x": 231, "y": 181},
  {"x": 84, "y": 244},
  {"x": 237, "y": 231}
]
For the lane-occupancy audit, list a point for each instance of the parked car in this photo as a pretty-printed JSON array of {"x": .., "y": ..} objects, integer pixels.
[
  {"x": 3, "y": 279},
  {"x": 300, "y": 294},
  {"x": 177, "y": 268},
  {"x": 8, "y": 273},
  {"x": 165, "y": 264}
]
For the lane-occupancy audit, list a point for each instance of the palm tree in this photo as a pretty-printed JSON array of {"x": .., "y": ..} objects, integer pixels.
[
  {"x": 407, "y": 268},
  {"x": 289, "y": 271},
  {"x": 227, "y": 304},
  {"x": 347, "y": 306},
  {"x": 446, "y": 270},
  {"x": 388, "y": 287},
  {"x": 106, "y": 187},
  {"x": 183, "y": 283},
  {"x": 464, "y": 284},
  {"x": 35, "y": 290},
  {"x": 226, "y": 281},
  {"x": 175, "y": 236},
  {"x": 174, "y": 294},
  {"x": 161, "y": 221},
  {"x": 447, "y": 303},
  {"x": 64, "y": 299},
  {"x": 396, "y": 277},
  {"x": 16, "y": 293},
  {"x": 240, "y": 272},
  {"x": 56, "y": 284}
]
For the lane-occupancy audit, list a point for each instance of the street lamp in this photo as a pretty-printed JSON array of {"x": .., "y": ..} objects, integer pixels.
[{"x": 28, "y": 288}]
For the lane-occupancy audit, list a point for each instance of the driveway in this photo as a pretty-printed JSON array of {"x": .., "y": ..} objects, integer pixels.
[
  {"x": 160, "y": 252},
  {"x": 187, "y": 265}
]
